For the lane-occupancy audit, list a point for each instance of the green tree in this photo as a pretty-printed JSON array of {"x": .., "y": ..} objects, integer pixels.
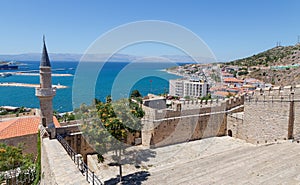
[
  {"x": 229, "y": 95},
  {"x": 107, "y": 125},
  {"x": 38, "y": 161},
  {"x": 11, "y": 158},
  {"x": 207, "y": 97},
  {"x": 135, "y": 94}
]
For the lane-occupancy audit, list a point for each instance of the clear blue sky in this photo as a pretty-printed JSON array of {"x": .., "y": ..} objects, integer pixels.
[{"x": 231, "y": 28}]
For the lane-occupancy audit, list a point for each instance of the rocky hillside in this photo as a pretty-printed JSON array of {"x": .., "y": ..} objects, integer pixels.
[
  {"x": 278, "y": 66},
  {"x": 276, "y": 56}
]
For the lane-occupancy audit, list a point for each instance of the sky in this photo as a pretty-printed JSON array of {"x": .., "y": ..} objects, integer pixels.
[{"x": 232, "y": 29}]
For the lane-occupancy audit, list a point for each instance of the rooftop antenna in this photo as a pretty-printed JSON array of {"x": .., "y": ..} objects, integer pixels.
[{"x": 298, "y": 42}]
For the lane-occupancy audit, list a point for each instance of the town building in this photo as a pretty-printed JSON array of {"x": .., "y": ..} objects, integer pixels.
[
  {"x": 14, "y": 131},
  {"x": 188, "y": 88},
  {"x": 233, "y": 81},
  {"x": 155, "y": 102}
]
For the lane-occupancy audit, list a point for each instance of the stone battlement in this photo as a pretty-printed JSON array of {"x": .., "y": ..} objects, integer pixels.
[
  {"x": 188, "y": 120},
  {"x": 270, "y": 115},
  {"x": 285, "y": 93},
  {"x": 184, "y": 108},
  {"x": 266, "y": 116}
]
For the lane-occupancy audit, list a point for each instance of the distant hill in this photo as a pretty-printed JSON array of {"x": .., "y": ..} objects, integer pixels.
[
  {"x": 100, "y": 57},
  {"x": 62, "y": 57},
  {"x": 278, "y": 66}
]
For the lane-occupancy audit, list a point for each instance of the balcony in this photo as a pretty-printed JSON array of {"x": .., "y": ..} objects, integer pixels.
[{"x": 45, "y": 92}]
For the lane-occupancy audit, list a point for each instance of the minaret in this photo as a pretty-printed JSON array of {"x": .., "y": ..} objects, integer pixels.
[{"x": 45, "y": 93}]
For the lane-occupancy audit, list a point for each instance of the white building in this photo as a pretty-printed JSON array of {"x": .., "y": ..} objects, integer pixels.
[{"x": 191, "y": 88}]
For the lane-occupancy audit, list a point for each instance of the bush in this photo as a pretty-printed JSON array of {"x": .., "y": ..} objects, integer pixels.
[
  {"x": 38, "y": 161},
  {"x": 240, "y": 73}
]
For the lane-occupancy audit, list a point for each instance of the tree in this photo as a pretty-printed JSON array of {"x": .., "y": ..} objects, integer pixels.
[
  {"x": 187, "y": 97},
  {"x": 207, "y": 97},
  {"x": 229, "y": 95},
  {"x": 107, "y": 125},
  {"x": 240, "y": 73},
  {"x": 12, "y": 158},
  {"x": 135, "y": 94}
]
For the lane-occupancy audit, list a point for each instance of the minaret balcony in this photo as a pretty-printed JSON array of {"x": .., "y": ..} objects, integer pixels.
[{"x": 45, "y": 92}]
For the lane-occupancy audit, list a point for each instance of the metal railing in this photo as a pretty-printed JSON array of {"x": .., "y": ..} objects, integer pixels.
[{"x": 82, "y": 167}]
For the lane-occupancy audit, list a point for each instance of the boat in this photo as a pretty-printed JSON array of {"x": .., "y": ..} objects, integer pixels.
[
  {"x": 3, "y": 75},
  {"x": 8, "y": 67}
]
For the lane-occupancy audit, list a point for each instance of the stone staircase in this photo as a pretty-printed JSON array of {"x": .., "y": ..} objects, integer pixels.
[{"x": 243, "y": 164}]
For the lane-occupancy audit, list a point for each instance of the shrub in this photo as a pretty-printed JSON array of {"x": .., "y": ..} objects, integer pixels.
[{"x": 38, "y": 161}]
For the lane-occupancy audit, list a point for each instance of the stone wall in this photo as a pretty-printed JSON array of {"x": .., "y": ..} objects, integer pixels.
[
  {"x": 235, "y": 124},
  {"x": 297, "y": 121},
  {"x": 79, "y": 144},
  {"x": 47, "y": 174},
  {"x": 195, "y": 120},
  {"x": 265, "y": 122},
  {"x": 269, "y": 115},
  {"x": 57, "y": 165},
  {"x": 29, "y": 141},
  {"x": 266, "y": 116}
]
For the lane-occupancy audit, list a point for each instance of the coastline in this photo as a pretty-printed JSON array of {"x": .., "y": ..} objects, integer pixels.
[
  {"x": 37, "y": 74},
  {"x": 173, "y": 73},
  {"x": 14, "y": 84}
]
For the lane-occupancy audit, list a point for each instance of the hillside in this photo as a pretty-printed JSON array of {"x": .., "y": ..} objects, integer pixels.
[
  {"x": 276, "y": 56},
  {"x": 278, "y": 66}
]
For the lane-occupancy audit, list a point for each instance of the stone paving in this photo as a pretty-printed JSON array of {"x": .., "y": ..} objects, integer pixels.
[
  {"x": 220, "y": 160},
  {"x": 63, "y": 171}
]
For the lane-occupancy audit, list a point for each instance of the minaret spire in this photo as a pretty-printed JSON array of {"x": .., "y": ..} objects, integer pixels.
[{"x": 45, "y": 62}]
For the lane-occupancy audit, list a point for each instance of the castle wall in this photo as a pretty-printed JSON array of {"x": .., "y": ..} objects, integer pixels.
[
  {"x": 78, "y": 143},
  {"x": 269, "y": 115},
  {"x": 235, "y": 125},
  {"x": 75, "y": 139},
  {"x": 297, "y": 120},
  {"x": 196, "y": 120},
  {"x": 265, "y": 122},
  {"x": 266, "y": 116},
  {"x": 57, "y": 166}
]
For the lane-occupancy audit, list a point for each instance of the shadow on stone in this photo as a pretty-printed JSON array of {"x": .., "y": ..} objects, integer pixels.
[
  {"x": 137, "y": 157},
  {"x": 134, "y": 157},
  {"x": 134, "y": 178}
]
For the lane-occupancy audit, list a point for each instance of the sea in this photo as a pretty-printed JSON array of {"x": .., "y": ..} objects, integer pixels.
[{"x": 114, "y": 78}]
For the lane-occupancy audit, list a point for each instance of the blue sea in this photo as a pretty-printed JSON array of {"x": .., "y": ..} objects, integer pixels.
[{"x": 115, "y": 78}]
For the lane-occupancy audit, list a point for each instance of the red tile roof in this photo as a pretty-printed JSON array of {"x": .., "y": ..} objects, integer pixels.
[
  {"x": 56, "y": 123},
  {"x": 233, "y": 80},
  {"x": 226, "y": 74},
  {"x": 21, "y": 126}
]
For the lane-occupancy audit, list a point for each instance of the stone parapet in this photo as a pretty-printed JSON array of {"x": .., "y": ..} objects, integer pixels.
[{"x": 282, "y": 93}]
